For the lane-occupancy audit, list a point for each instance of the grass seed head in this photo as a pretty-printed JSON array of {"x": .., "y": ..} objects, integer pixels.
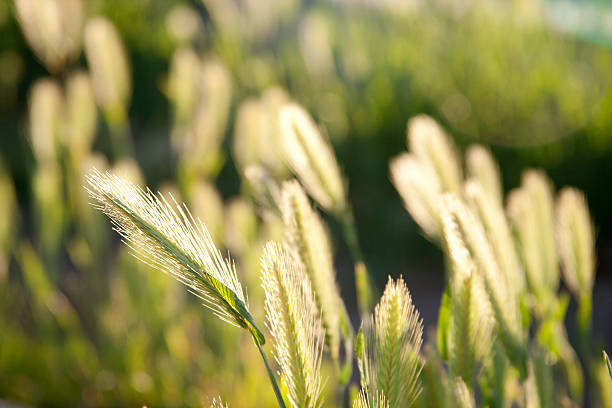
[
  {"x": 390, "y": 344},
  {"x": 168, "y": 238},
  {"x": 419, "y": 187},
  {"x": 575, "y": 241},
  {"x": 294, "y": 322},
  {"x": 312, "y": 159},
  {"x": 430, "y": 143}
]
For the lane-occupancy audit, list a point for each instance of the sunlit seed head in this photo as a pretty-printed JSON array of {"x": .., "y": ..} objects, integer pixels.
[
  {"x": 46, "y": 106},
  {"x": 255, "y": 136},
  {"x": 183, "y": 23},
  {"x": 169, "y": 239},
  {"x": 575, "y": 241},
  {"x": 211, "y": 115},
  {"x": 312, "y": 159},
  {"x": 52, "y": 29},
  {"x": 183, "y": 84},
  {"x": 419, "y": 188},
  {"x": 462, "y": 223},
  {"x": 530, "y": 210},
  {"x": 109, "y": 66},
  {"x": 315, "y": 44},
  {"x": 493, "y": 217},
  {"x": 431, "y": 144},
  {"x": 81, "y": 115},
  {"x": 481, "y": 166},
  {"x": 293, "y": 320},
  {"x": 392, "y": 337},
  {"x": 306, "y": 234}
]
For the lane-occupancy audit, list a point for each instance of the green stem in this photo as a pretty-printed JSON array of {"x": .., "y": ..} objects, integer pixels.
[
  {"x": 363, "y": 280},
  {"x": 277, "y": 392}
]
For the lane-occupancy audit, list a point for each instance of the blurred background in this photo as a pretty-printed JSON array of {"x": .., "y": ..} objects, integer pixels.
[{"x": 183, "y": 96}]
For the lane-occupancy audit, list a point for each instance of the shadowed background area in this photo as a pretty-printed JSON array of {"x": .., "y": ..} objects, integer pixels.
[{"x": 181, "y": 96}]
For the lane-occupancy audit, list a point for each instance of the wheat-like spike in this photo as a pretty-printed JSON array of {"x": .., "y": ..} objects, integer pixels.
[
  {"x": 312, "y": 158},
  {"x": 471, "y": 322},
  {"x": 46, "y": 111},
  {"x": 108, "y": 64},
  {"x": 462, "y": 396},
  {"x": 575, "y": 240},
  {"x": 168, "y": 238},
  {"x": 365, "y": 401},
  {"x": 183, "y": 84},
  {"x": 481, "y": 166},
  {"x": 607, "y": 361},
  {"x": 495, "y": 223},
  {"x": 217, "y": 402},
  {"x": 431, "y": 144},
  {"x": 419, "y": 187},
  {"x": 505, "y": 307},
  {"x": 293, "y": 320},
  {"x": 391, "y": 339},
  {"x": 530, "y": 208},
  {"x": 306, "y": 233}
]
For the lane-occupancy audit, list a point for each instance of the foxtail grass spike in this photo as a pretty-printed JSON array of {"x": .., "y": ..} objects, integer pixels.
[
  {"x": 306, "y": 233},
  {"x": 169, "y": 239},
  {"x": 183, "y": 83},
  {"x": 530, "y": 208},
  {"x": 46, "y": 119},
  {"x": 481, "y": 166},
  {"x": 217, "y": 402},
  {"x": 495, "y": 223},
  {"x": 575, "y": 240},
  {"x": 111, "y": 75},
  {"x": 365, "y": 401},
  {"x": 419, "y": 187},
  {"x": 462, "y": 396},
  {"x": 471, "y": 318},
  {"x": 312, "y": 159},
  {"x": 52, "y": 28},
  {"x": 293, "y": 320},
  {"x": 81, "y": 116},
  {"x": 389, "y": 346},
  {"x": 431, "y": 144},
  {"x": 505, "y": 307}
]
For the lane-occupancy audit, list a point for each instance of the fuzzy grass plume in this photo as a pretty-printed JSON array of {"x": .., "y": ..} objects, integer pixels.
[
  {"x": 504, "y": 305},
  {"x": 306, "y": 234},
  {"x": 388, "y": 349},
  {"x": 293, "y": 320},
  {"x": 491, "y": 212},
  {"x": 168, "y": 238},
  {"x": 530, "y": 209},
  {"x": 471, "y": 320},
  {"x": 419, "y": 187},
  {"x": 481, "y": 166},
  {"x": 311, "y": 157},
  {"x": 575, "y": 241},
  {"x": 431, "y": 144}
]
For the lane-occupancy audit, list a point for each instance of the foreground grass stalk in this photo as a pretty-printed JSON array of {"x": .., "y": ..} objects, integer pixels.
[{"x": 169, "y": 239}]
